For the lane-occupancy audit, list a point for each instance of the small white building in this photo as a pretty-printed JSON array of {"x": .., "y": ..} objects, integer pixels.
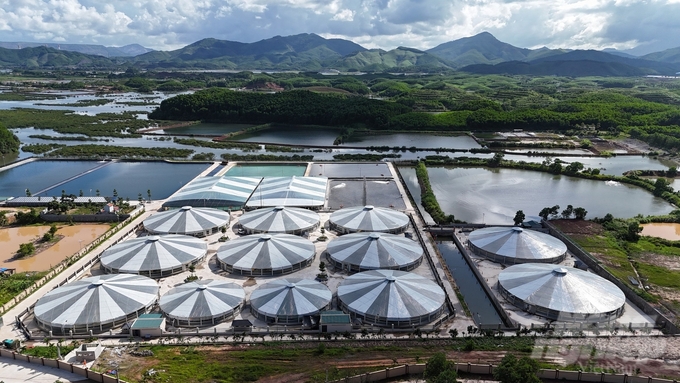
[{"x": 88, "y": 352}]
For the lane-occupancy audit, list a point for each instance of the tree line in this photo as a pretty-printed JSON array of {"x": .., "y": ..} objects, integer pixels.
[
  {"x": 9, "y": 142},
  {"x": 294, "y": 107}
]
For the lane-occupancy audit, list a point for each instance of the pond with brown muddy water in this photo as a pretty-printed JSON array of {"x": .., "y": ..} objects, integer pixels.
[{"x": 75, "y": 237}]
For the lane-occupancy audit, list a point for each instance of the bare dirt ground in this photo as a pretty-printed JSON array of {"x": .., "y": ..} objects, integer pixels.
[
  {"x": 646, "y": 356},
  {"x": 668, "y": 262},
  {"x": 610, "y": 146},
  {"x": 636, "y": 145},
  {"x": 582, "y": 227}
]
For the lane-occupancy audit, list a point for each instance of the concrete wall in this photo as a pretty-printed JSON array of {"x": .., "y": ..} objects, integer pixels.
[
  {"x": 93, "y": 375},
  {"x": 85, "y": 217},
  {"x": 487, "y": 370}
]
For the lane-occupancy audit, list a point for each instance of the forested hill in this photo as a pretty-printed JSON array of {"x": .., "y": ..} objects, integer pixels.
[
  {"x": 305, "y": 51},
  {"x": 606, "y": 110},
  {"x": 8, "y": 141},
  {"x": 294, "y": 107},
  {"x": 43, "y": 57}
]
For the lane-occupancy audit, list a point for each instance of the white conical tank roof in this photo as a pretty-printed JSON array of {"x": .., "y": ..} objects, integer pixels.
[
  {"x": 155, "y": 253},
  {"x": 272, "y": 252},
  {"x": 391, "y": 294},
  {"x": 290, "y": 297},
  {"x": 367, "y": 251},
  {"x": 370, "y": 218},
  {"x": 279, "y": 219},
  {"x": 202, "y": 300},
  {"x": 520, "y": 245},
  {"x": 186, "y": 220},
  {"x": 561, "y": 289},
  {"x": 95, "y": 301}
]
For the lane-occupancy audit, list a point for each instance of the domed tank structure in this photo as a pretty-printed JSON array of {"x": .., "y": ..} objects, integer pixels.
[
  {"x": 279, "y": 220},
  {"x": 225, "y": 193},
  {"x": 368, "y": 218},
  {"x": 155, "y": 256},
  {"x": 512, "y": 245},
  {"x": 391, "y": 298},
  {"x": 370, "y": 251},
  {"x": 266, "y": 254},
  {"x": 198, "y": 222},
  {"x": 289, "y": 300},
  {"x": 95, "y": 304},
  {"x": 561, "y": 293},
  {"x": 202, "y": 303}
]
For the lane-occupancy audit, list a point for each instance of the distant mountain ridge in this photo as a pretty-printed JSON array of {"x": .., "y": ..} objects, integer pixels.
[
  {"x": 579, "y": 63},
  {"x": 484, "y": 48},
  {"x": 482, "y": 53},
  {"x": 44, "y": 57},
  {"x": 129, "y": 50},
  {"x": 402, "y": 58},
  {"x": 304, "y": 51}
]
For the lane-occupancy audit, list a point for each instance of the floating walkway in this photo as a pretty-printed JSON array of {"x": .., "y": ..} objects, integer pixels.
[{"x": 107, "y": 163}]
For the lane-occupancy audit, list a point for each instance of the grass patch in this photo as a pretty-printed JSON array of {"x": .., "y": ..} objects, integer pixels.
[
  {"x": 308, "y": 360},
  {"x": 13, "y": 284},
  {"x": 608, "y": 250},
  {"x": 659, "y": 276},
  {"x": 49, "y": 351}
]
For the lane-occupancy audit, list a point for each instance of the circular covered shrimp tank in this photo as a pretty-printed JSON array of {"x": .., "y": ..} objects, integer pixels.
[
  {"x": 155, "y": 256},
  {"x": 97, "y": 303},
  {"x": 369, "y": 218},
  {"x": 511, "y": 245},
  {"x": 391, "y": 298},
  {"x": 289, "y": 300},
  {"x": 266, "y": 254},
  {"x": 279, "y": 219},
  {"x": 202, "y": 303},
  {"x": 188, "y": 220},
  {"x": 561, "y": 293},
  {"x": 370, "y": 251}
]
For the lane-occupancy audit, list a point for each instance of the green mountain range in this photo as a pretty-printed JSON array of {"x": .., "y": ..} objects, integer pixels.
[
  {"x": 88, "y": 49},
  {"x": 668, "y": 56},
  {"x": 402, "y": 58},
  {"x": 306, "y": 51},
  {"x": 482, "y": 53},
  {"x": 43, "y": 57},
  {"x": 484, "y": 48},
  {"x": 579, "y": 63}
]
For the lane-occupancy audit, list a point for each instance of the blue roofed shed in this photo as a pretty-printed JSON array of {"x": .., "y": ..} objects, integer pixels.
[
  {"x": 334, "y": 321},
  {"x": 148, "y": 325}
]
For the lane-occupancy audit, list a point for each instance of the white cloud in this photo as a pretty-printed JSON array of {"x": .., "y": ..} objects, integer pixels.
[
  {"x": 169, "y": 24},
  {"x": 344, "y": 15}
]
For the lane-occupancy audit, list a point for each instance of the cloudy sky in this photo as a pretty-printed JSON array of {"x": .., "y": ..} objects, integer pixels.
[{"x": 649, "y": 25}]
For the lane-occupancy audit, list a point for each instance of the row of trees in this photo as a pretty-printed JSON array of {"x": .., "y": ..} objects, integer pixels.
[
  {"x": 9, "y": 143},
  {"x": 554, "y": 212}
]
